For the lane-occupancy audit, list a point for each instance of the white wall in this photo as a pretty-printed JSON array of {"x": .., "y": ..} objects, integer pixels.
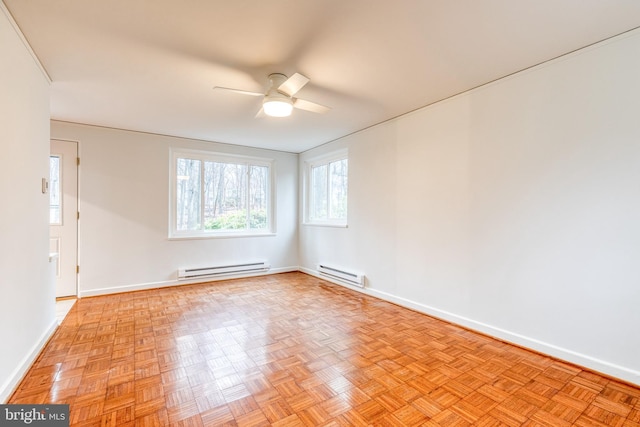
[
  {"x": 27, "y": 305},
  {"x": 124, "y": 208},
  {"x": 512, "y": 209}
]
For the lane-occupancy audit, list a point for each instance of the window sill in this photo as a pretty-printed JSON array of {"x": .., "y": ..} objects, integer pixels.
[
  {"x": 219, "y": 236},
  {"x": 325, "y": 224}
]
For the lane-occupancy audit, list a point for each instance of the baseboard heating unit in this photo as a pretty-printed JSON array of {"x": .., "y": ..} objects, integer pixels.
[
  {"x": 222, "y": 270},
  {"x": 341, "y": 274}
]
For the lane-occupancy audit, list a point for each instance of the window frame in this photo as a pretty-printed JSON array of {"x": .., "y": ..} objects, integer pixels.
[
  {"x": 309, "y": 165},
  {"x": 211, "y": 156}
]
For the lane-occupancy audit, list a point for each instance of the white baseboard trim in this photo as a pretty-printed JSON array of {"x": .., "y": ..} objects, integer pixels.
[
  {"x": 18, "y": 374},
  {"x": 167, "y": 283},
  {"x": 602, "y": 366},
  {"x": 616, "y": 371},
  {"x": 583, "y": 360}
]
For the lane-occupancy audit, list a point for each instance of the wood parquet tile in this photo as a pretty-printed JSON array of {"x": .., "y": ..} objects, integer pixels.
[{"x": 293, "y": 350}]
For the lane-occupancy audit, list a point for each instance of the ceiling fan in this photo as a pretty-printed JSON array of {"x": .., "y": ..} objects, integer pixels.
[{"x": 279, "y": 99}]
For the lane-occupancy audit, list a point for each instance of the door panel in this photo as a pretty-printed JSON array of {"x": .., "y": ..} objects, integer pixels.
[{"x": 63, "y": 214}]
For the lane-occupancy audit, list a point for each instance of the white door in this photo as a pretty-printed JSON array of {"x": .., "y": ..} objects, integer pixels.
[{"x": 63, "y": 214}]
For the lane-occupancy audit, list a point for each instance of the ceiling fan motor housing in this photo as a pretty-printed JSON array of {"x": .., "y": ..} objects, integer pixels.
[{"x": 275, "y": 80}]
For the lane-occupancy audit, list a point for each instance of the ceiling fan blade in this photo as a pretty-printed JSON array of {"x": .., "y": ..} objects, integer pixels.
[
  {"x": 243, "y": 92},
  {"x": 303, "y": 104},
  {"x": 293, "y": 84}
]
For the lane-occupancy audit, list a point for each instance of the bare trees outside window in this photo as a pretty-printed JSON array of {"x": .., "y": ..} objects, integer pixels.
[
  {"x": 221, "y": 195},
  {"x": 327, "y": 188}
]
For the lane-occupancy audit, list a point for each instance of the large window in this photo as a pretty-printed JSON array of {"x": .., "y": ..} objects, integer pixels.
[
  {"x": 220, "y": 195},
  {"x": 326, "y": 189}
]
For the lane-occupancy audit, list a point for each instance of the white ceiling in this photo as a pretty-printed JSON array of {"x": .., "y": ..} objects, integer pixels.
[{"x": 150, "y": 65}]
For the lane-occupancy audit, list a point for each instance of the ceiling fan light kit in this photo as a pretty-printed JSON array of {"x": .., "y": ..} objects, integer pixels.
[
  {"x": 279, "y": 100},
  {"x": 277, "y": 107},
  {"x": 276, "y": 103}
]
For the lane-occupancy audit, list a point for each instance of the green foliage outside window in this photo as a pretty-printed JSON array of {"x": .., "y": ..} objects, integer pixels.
[{"x": 237, "y": 220}]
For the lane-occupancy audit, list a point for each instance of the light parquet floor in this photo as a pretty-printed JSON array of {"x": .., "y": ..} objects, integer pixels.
[{"x": 289, "y": 350}]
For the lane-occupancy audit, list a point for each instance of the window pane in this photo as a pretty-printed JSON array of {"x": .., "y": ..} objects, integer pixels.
[
  {"x": 319, "y": 200},
  {"x": 188, "y": 194},
  {"x": 326, "y": 200},
  {"x": 213, "y": 180},
  {"x": 258, "y": 197},
  {"x": 225, "y": 196},
  {"x": 55, "y": 199},
  {"x": 338, "y": 189}
]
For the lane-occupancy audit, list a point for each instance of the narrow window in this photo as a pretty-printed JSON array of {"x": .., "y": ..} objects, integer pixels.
[
  {"x": 55, "y": 199},
  {"x": 188, "y": 195},
  {"x": 326, "y": 190}
]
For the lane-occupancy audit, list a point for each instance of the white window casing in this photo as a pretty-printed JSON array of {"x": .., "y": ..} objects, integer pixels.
[
  {"x": 326, "y": 189},
  {"x": 216, "y": 195}
]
